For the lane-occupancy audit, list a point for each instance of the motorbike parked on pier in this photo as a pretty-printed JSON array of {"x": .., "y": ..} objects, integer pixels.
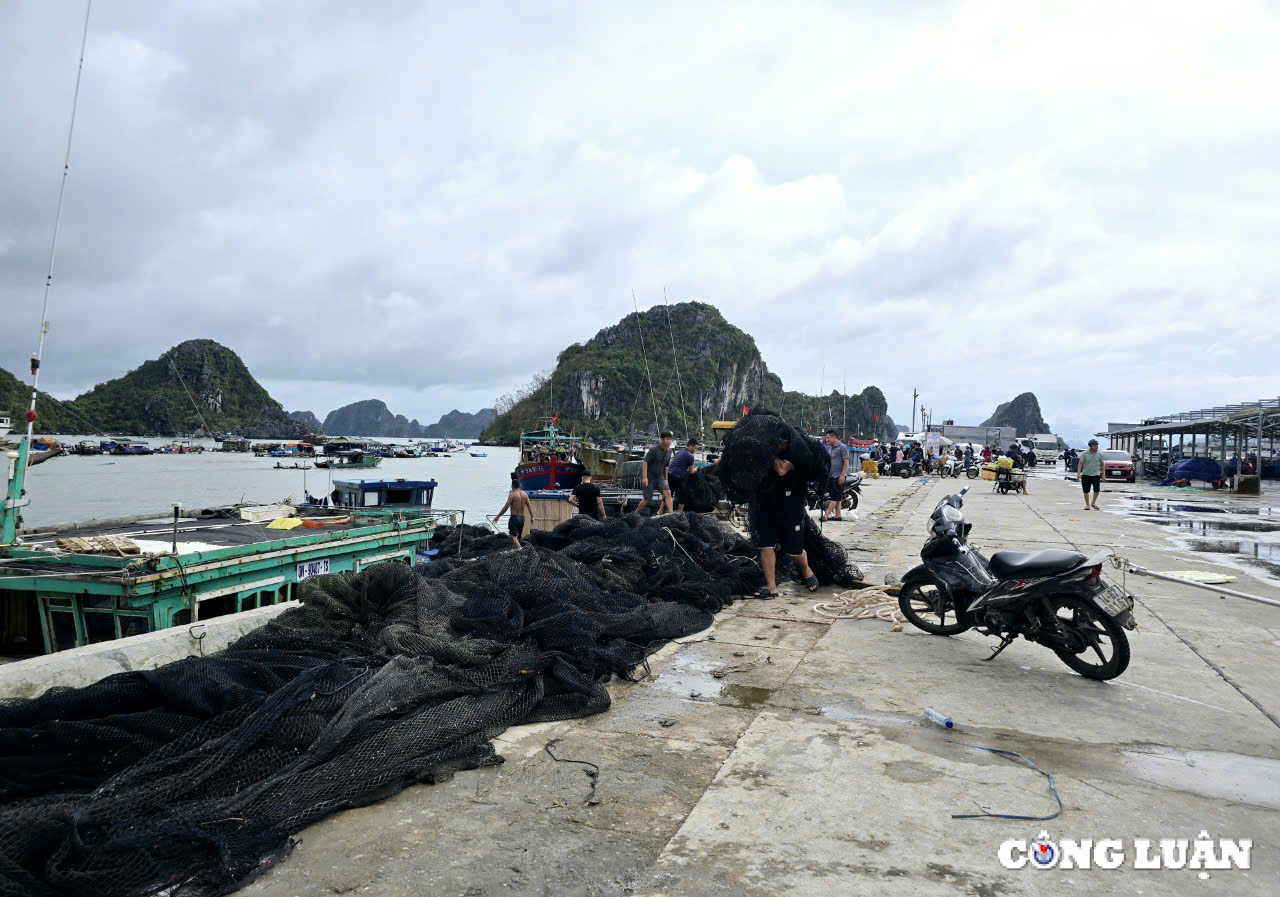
[
  {"x": 850, "y": 494},
  {"x": 1054, "y": 598},
  {"x": 904, "y": 469}
]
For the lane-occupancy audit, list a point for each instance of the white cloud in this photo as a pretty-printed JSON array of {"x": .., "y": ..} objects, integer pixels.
[{"x": 425, "y": 205}]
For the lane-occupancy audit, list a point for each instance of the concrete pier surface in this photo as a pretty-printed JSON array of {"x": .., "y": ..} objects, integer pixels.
[{"x": 781, "y": 752}]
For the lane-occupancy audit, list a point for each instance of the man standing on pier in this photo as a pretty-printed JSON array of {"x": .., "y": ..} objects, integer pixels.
[
  {"x": 653, "y": 473},
  {"x": 1089, "y": 473},
  {"x": 586, "y": 496},
  {"x": 839, "y": 453}
]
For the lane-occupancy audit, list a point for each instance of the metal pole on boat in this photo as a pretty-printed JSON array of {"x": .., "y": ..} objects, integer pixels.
[
  {"x": 177, "y": 511},
  {"x": 18, "y": 464}
]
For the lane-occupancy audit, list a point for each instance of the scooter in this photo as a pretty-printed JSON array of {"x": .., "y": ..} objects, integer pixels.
[
  {"x": 951, "y": 467},
  {"x": 905, "y": 469},
  {"x": 1054, "y": 598},
  {"x": 849, "y": 497}
]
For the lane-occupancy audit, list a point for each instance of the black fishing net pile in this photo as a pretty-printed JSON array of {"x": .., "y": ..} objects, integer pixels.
[{"x": 189, "y": 779}]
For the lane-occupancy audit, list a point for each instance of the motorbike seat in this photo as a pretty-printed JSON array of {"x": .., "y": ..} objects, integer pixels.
[{"x": 1025, "y": 564}]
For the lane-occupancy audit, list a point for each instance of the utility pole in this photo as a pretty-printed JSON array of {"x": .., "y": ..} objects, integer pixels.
[{"x": 914, "y": 395}]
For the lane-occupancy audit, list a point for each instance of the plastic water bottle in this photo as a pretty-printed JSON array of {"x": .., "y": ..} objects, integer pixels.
[{"x": 937, "y": 718}]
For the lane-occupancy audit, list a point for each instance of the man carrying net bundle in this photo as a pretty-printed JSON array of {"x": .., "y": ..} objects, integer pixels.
[{"x": 777, "y": 517}]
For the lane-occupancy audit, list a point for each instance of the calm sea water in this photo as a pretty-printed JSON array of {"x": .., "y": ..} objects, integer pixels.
[{"x": 74, "y": 488}]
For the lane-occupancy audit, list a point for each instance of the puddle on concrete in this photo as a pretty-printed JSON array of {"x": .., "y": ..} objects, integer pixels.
[
  {"x": 845, "y": 712},
  {"x": 1234, "y": 777},
  {"x": 697, "y": 682},
  {"x": 1220, "y": 528},
  {"x": 748, "y": 696}
]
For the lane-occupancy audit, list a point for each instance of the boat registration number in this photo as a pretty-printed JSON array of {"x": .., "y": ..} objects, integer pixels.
[
  {"x": 313, "y": 568},
  {"x": 1114, "y": 601}
]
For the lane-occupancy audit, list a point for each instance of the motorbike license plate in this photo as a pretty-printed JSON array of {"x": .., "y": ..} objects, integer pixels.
[{"x": 1114, "y": 601}]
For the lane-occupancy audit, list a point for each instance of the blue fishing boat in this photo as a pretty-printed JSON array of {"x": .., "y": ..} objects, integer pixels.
[{"x": 549, "y": 459}]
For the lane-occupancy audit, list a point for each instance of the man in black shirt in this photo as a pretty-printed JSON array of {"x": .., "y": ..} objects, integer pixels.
[
  {"x": 777, "y": 518},
  {"x": 586, "y": 496},
  {"x": 653, "y": 474}
]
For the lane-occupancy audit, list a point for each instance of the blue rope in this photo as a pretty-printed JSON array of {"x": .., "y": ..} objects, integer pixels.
[{"x": 1010, "y": 755}]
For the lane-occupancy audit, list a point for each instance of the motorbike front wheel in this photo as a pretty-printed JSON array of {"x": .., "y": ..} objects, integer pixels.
[
  {"x": 927, "y": 607},
  {"x": 905, "y": 473},
  {"x": 850, "y": 501},
  {"x": 1097, "y": 645},
  {"x": 972, "y": 473}
]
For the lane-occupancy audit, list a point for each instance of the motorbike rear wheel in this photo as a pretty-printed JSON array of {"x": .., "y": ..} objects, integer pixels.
[
  {"x": 926, "y": 606},
  {"x": 1095, "y": 634}
]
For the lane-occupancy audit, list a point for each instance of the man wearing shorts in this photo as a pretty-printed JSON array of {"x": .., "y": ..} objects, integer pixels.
[
  {"x": 839, "y": 453},
  {"x": 653, "y": 473},
  {"x": 776, "y": 518},
  {"x": 1089, "y": 473},
  {"x": 518, "y": 502}
]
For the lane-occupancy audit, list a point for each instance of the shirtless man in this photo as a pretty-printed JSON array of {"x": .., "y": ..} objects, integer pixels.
[{"x": 518, "y": 502}]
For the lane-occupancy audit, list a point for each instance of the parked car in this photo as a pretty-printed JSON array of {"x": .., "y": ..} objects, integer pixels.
[{"x": 1118, "y": 466}]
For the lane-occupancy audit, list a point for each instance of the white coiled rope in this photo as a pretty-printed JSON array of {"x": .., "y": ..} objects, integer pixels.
[{"x": 863, "y": 604}]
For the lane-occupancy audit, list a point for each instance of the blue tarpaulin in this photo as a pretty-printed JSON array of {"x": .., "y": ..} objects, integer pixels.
[{"x": 1204, "y": 469}]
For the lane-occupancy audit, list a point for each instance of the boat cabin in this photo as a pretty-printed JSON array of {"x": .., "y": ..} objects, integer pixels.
[{"x": 383, "y": 493}]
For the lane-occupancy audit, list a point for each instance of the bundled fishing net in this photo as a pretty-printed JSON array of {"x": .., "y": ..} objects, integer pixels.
[
  {"x": 751, "y": 446},
  {"x": 190, "y": 779},
  {"x": 703, "y": 489},
  {"x": 746, "y": 465}
]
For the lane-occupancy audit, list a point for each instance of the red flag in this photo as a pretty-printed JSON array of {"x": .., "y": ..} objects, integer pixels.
[
  {"x": 744, "y": 410},
  {"x": 877, "y": 417}
]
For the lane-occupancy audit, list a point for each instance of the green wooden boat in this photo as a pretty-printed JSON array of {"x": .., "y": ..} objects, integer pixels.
[{"x": 78, "y": 585}]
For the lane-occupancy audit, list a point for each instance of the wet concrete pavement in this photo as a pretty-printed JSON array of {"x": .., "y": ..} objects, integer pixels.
[{"x": 782, "y": 753}]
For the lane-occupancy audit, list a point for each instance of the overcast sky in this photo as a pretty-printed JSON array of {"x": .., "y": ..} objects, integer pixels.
[{"x": 425, "y": 202}]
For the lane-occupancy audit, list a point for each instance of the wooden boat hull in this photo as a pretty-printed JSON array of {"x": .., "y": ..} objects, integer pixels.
[{"x": 551, "y": 473}]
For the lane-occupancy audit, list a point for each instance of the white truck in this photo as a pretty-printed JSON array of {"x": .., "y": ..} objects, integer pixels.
[{"x": 1044, "y": 444}]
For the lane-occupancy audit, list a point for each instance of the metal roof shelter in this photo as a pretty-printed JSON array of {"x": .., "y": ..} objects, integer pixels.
[{"x": 1251, "y": 428}]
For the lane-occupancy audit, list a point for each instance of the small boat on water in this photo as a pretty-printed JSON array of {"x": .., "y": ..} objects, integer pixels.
[
  {"x": 549, "y": 459},
  {"x": 131, "y": 448},
  {"x": 479, "y": 454},
  {"x": 349, "y": 460},
  {"x": 293, "y": 466},
  {"x": 87, "y": 447}
]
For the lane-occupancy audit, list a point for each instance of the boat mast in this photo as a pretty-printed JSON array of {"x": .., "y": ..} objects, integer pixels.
[
  {"x": 18, "y": 461},
  {"x": 657, "y": 427}
]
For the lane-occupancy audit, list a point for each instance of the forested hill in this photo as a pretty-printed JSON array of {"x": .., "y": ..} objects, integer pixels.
[
  {"x": 197, "y": 386},
  {"x": 15, "y": 399},
  {"x": 1022, "y": 413},
  {"x": 602, "y": 388}
]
